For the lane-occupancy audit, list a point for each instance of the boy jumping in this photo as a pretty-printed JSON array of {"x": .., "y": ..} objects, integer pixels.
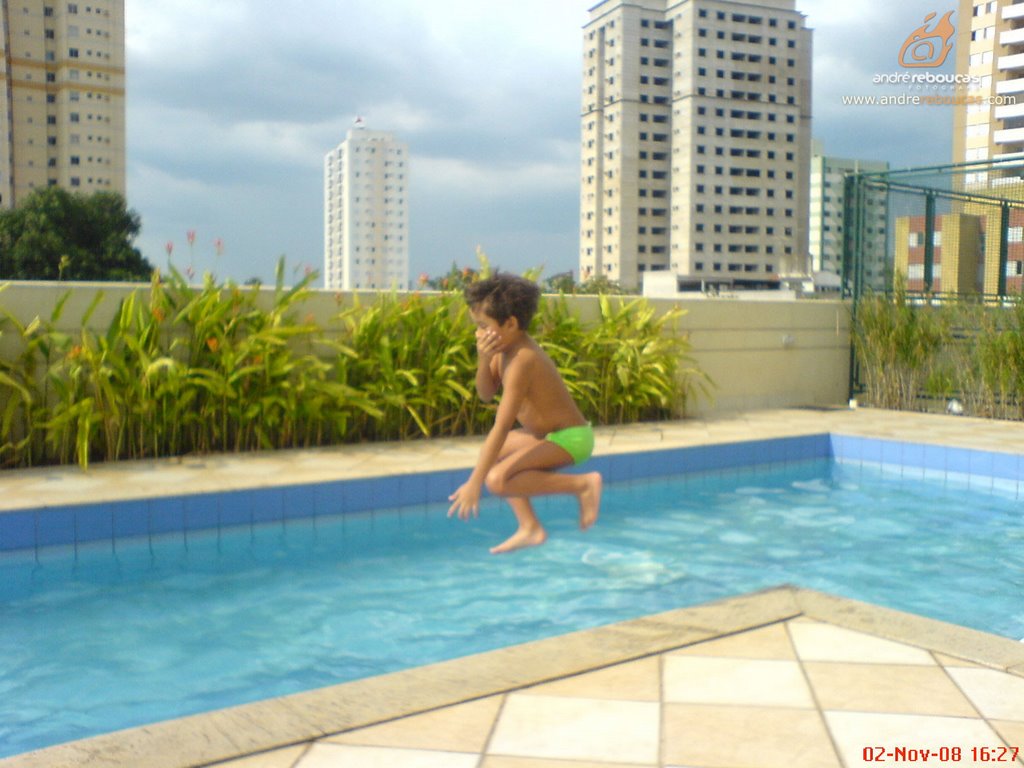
[{"x": 518, "y": 464}]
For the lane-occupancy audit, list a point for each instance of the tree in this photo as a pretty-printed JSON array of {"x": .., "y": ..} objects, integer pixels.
[
  {"x": 561, "y": 283},
  {"x": 59, "y": 235},
  {"x": 599, "y": 284}
]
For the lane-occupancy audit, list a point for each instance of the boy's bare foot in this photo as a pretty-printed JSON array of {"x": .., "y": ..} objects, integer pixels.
[
  {"x": 524, "y": 537},
  {"x": 590, "y": 500}
]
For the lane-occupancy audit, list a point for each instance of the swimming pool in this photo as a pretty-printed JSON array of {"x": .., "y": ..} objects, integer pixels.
[{"x": 255, "y": 611}]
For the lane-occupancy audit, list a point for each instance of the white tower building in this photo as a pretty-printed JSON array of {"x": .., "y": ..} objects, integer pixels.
[{"x": 366, "y": 212}]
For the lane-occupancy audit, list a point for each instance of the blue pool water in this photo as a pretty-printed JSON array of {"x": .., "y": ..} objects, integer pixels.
[{"x": 114, "y": 634}]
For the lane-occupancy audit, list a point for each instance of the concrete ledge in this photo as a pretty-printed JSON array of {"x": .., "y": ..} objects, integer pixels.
[{"x": 951, "y": 639}]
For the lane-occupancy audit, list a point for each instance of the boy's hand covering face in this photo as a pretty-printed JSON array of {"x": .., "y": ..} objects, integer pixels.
[{"x": 488, "y": 342}]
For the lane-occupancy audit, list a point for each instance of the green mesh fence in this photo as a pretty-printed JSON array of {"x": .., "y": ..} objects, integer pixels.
[
  {"x": 933, "y": 260},
  {"x": 948, "y": 229}
]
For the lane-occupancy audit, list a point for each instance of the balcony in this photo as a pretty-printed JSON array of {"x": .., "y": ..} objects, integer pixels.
[
  {"x": 1010, "y": 111},
  {"x": 1015, "y": 11},
  {"x": 1010, "y": 86},
  {"x": 1012, "y": 37},
  {"x": 1015, "y": 61},
  {"x": 1009, "y": 136}
]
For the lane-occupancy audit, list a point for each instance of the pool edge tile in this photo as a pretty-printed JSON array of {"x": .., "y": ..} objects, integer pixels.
[
  {"x": 913, "y": 629},
  {"x": 17, "y": 530}
]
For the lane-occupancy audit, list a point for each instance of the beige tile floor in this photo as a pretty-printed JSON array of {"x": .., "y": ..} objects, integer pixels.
[
  {"x": 794, "y": 694},
  {"x": 787, "y": 677}
]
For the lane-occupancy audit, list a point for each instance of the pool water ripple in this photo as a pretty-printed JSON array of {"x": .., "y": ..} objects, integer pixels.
[{"x": 156, "y": 629}]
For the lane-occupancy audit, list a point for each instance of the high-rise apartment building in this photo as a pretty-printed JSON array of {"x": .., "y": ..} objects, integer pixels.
[
  {"x": 989, "y": 124},
  {"x": 827, "y": 218},
  {"x": 62, "y": 109},
  {"x": 695, "y": 141},
  {"x": 366, "y": 212}
]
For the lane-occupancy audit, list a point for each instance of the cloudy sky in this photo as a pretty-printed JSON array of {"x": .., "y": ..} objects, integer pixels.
[{"x": 232, "y": 106}]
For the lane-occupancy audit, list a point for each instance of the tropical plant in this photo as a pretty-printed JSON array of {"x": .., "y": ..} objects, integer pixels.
[
  {"x": 220, "y": 367},
  {"x": 914, "y": 352},
  {"x": 999, "y": 349},
  {"x": 412, "y": 356},
  {"x": 896, "y": 342},
  {"x": 641, "y": 364}
]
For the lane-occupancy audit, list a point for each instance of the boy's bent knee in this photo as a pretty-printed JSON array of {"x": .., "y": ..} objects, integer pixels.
[{"x": 496, "y": 481}]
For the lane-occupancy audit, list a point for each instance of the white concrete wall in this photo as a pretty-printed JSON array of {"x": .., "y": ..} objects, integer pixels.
[{"x": 769, "y": 354}]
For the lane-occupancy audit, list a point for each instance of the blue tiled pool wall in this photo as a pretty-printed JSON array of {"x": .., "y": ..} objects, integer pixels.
[
  {"x": 77, "y": 524},
  {"x": 983, "y": 470}
]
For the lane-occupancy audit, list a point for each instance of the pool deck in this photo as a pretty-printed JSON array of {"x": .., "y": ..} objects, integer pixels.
[{"x": 787, "y": 677}]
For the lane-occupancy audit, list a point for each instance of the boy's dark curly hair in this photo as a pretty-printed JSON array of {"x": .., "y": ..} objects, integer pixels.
[{"x": 504, "y": 295}]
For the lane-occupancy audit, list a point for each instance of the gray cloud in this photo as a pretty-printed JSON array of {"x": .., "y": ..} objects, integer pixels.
[
  {"x": 232, "y": 106},
  {"x": 853, "y": 42}
]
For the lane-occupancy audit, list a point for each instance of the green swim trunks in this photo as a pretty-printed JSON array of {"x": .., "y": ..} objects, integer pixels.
[{"x": 577, "y": 441}]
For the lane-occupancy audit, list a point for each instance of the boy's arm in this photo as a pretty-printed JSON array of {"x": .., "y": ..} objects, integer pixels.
[
  {"x": 487, "y": 379},
  {"x": 466, "y": 500}
]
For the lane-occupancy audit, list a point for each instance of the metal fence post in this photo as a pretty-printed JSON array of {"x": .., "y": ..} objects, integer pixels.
[
  {"x": 1004, "y": 247},
  {"x": 929, "y": 241}
]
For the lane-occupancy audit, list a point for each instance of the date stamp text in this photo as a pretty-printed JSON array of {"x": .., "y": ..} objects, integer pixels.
[{"x": 938, "y": 755}]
